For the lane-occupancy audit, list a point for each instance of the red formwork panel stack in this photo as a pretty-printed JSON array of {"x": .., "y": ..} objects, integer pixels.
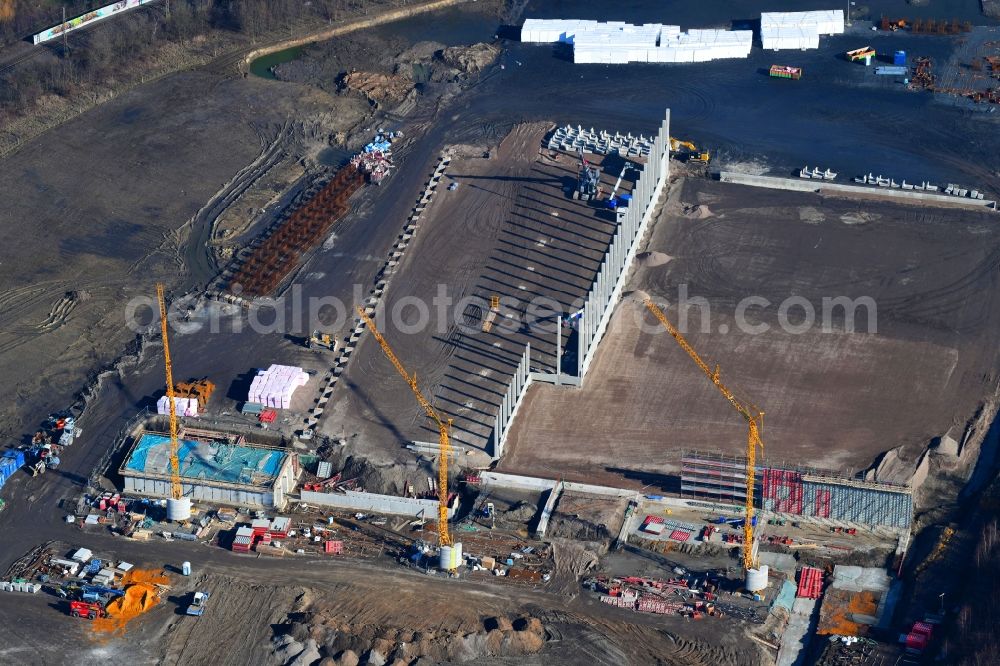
[{"x": 810, "y": 583}]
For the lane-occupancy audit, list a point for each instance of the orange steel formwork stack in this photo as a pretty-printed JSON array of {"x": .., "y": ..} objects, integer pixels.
[{"x": 279, "y": 253}]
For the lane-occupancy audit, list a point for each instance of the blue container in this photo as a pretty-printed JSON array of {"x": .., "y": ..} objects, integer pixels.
[
  {"x": 899, "y": 58},
  {"x": 16, "y": 455}
]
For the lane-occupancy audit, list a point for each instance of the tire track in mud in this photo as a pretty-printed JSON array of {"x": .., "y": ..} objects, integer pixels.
[{"x": 197, "y": 254}]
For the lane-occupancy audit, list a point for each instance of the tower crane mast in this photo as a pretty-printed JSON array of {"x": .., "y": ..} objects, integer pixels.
[
  {"x": 444, "y": 427},
  {"x": 176, "y": 490},
  {"x": 753, "y": 416}
]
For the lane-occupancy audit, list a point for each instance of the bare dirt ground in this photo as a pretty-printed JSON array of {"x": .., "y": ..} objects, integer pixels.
[
  {"x": 833, "y": 400},
  {"x": 347, "y": 606},
  {"x": 111, "y": 205}
]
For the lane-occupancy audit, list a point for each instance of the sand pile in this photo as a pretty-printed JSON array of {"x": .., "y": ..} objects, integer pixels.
[
  {"x": 142, "y": 592},
  {"x": 470, "y": 59},
  {"x": 379, "y": 87}
]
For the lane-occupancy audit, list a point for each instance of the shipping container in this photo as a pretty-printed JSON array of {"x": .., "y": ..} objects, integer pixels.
[
  {"x": 16, "y": 456},
  {"x": 786, "y": 72}
]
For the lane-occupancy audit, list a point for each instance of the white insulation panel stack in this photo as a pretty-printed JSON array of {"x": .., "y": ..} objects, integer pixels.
[
  {"x": 274, "y": 387},
  {"x": 182, "y": 406},
  {"x": 799, "y": 30},
  {"x": 548, "y": 31},
  {"x": 619, "y": 43}
]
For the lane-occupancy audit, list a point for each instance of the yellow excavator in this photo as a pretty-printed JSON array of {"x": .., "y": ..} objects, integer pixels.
[
  {"x": 689, "y": 151},
  {"x": 319, "y": 340}
]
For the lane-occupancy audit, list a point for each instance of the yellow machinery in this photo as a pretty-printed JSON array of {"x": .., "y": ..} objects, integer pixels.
[
  {"x": 444, "y": 538},
  {"x": 324, "y": 340},
  {"x": 860, "y": 54},
  {"x": 176, "y": 491},
  {"x": 755, "y": 420},
  {"x": 201, "y": 390},
  {"x": 690, "y": 151},
  {"x": 491, "y": 316}
]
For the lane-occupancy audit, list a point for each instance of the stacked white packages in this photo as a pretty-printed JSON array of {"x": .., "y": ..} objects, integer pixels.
[
  {"x": 620, "y": 43},
  {"x": 182, "y": 406},
  {"x": 799, "y": 30},
  {"x": 274, "y": 387},
  {"x": 548, "y": 31}
]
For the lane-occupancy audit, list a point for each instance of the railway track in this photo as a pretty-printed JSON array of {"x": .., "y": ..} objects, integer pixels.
[{"x": 75, "y": 39}]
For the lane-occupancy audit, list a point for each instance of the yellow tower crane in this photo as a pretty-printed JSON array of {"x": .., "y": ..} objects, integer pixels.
[
  {"x": 755, "y": 420},
  {"x": 176, "y": 491},
  {"x": 444, "y": 538}
]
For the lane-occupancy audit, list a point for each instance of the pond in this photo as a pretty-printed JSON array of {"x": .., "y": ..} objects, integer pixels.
[{"x": 264, "y": 65}]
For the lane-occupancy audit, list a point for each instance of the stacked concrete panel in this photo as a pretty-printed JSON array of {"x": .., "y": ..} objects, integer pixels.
[
  {"x": 799, "y": 30},
  {"x": 574, "y": 139}
]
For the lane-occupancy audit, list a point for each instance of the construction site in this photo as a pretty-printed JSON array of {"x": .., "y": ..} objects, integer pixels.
[{"x": 511, "y": 369}]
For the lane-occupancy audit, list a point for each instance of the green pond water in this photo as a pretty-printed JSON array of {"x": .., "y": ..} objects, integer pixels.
[{"x": 263, "y": 65}]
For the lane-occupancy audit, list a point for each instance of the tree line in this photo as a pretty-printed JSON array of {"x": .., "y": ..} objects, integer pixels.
[{"x": 111, "y": 48}]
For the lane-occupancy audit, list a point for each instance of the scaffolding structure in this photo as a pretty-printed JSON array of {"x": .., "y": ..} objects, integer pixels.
[{"x": 797, "y": 491}]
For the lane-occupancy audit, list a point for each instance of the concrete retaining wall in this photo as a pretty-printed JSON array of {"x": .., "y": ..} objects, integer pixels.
[
  {"x": 358, "y": 501},
  {"x": 599, "y": 490},
  {"x": 517, "y": 482},
  {"x": 822, "y": 187},
  {"x": 264, "y": 498}
]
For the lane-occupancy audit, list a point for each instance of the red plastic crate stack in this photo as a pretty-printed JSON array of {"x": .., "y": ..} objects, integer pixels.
[
  {"x": 680, "y": 535},
  {"x": 810, "y": 583},
  {"x": 619, "y": 602},
  {"x": 651, "y": 520},
  {"x": 652, "y": 604}
]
